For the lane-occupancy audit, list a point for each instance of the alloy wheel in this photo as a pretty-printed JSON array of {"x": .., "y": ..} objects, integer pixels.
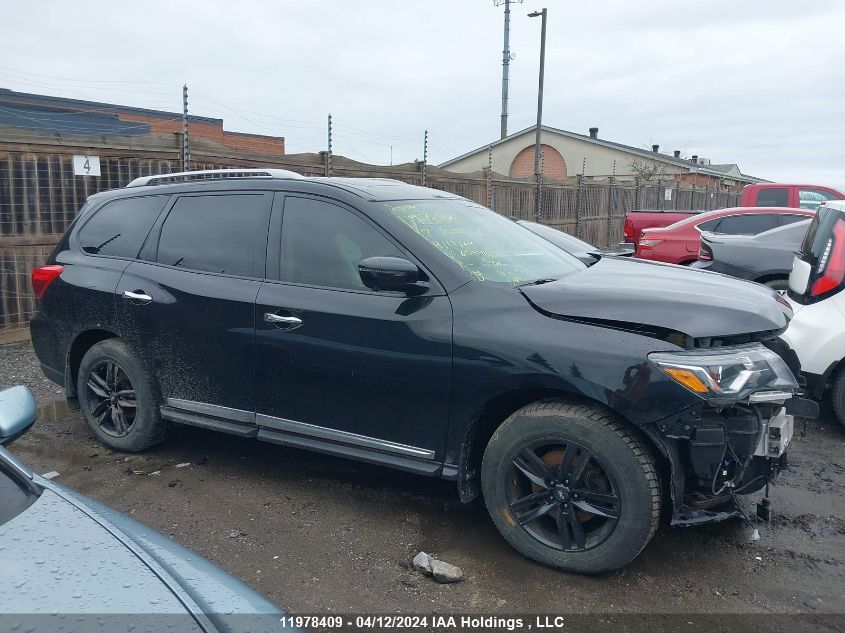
[
  {"x": 563, "y": 496},
  {"x": 110, "y": 398}
]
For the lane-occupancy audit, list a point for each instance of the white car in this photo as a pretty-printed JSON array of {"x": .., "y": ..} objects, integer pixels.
[{"x": 817, "y": 329}]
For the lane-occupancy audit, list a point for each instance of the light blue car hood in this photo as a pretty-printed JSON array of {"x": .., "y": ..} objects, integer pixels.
[{"x": 70, "y": 556}]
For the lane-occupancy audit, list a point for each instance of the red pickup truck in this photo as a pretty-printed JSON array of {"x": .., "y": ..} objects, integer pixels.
[
  {"x": 636, "y": 221},
  {"x": 783, "y": 195}
]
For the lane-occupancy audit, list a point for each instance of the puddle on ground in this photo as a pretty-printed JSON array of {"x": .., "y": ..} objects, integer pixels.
[{"x": 53, "y": 411}]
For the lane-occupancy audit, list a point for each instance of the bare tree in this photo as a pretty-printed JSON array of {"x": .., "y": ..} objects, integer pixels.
[{"x": 648, "y": 170}]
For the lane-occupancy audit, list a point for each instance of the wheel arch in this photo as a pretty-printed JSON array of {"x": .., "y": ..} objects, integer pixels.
[
  {"x": 762, "y": 279},
  {"x": 81, "y": 343},
  {"x": 499, "y": 408}
]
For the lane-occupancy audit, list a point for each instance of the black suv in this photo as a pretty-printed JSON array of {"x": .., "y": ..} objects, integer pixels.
[{"x": 413, "y": 328}]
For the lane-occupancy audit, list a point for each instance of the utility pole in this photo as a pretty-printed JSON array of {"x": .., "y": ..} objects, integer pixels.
[
  {"x": 506, "y": 60},
  {"x": 186, "y": 148},
  {"x": 541, "y": 14},
  {"x": 329, "y": 149},
  {"x": 425, "y": 158}
]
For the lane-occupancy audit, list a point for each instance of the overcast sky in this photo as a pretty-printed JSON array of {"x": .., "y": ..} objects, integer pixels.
[{"x": 752, "y": 82}]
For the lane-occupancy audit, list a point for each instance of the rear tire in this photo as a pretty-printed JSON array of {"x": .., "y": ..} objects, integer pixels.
[
  {"x": 117, "y": 399},
  {"x": 591, "y": 499},
  {"x": 837, "y": 395}
]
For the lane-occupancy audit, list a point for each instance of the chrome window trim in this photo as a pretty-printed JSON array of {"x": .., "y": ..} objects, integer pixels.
[
  {"x": 344, "y": 437},
  {"x": 299, "y": 428}
]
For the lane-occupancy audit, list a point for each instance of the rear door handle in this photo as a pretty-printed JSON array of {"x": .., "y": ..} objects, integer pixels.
[
  {"x": 282, "y": 322},
  {"x": 139, "y": 297}
]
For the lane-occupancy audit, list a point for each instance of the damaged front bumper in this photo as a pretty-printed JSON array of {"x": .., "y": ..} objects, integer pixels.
[
  {"x": 716, "y": 454},
  {"x": 735, "y": 441}
]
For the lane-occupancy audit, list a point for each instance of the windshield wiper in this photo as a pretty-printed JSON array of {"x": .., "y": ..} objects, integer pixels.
[{"x": 536, "y": 282}]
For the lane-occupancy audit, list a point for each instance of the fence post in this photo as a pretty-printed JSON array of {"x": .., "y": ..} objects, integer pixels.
[
  {"x": 579, "y": 210},
  {"x": 490, "y": 178},
  {"x": 611, "y": 208},
  {"x": 637, "y": 196},
  {"x": 677, "y": 193},
  {"x": 538, "y": 212},
  {"x": 660, "y": 194}
]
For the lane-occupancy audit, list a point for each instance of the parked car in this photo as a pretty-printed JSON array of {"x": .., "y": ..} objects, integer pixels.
[
  {"x": 782, "y": 195},
  {"x": 817, "y": 331},
  {"x": 64, "y": 553},
  {"x": 765, "y": 258},
  {"x": 679, "y": 243},
  {"x": 584, "y": 251},
  {"x": 413, "y": 328},
  {"x": 639, "y": 219}
]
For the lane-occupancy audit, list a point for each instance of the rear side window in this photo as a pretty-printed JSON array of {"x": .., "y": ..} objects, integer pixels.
[
  {"x": 120, "y": 227},
  {"x": 749, "y": 224},
  {"x": 215, "y": 233},
  {"x": 773, "y": 197},
  {"x": 322, "y": 244},
  {"x": 788, "y": 218}
]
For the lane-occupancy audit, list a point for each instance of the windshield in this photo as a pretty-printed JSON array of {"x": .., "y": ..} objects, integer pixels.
[
  {"x": 567, "y": 242},
  {"x": 485, "y": 244}
]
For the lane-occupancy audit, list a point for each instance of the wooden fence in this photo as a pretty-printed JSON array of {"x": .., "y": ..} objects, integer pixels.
[{"x": 40, "y": 195}]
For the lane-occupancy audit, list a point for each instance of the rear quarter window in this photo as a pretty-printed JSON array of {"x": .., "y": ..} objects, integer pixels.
[{"x": 119, "y": 228}]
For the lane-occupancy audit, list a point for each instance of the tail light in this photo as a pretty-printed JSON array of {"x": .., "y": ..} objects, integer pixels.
[
  {"x": 629, "y": 231},
  {"x": 832, "y": 263},
  {"x": 649, "y": 243},
  {"x": 43, "y": 276},
  {"x": 705, "y": 253}
]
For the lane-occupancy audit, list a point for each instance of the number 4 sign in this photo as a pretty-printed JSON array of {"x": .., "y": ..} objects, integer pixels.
[{"x": 86, "y": 165}]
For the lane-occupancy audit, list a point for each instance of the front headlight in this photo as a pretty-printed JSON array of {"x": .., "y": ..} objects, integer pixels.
[{"x": 729, "y": 374}]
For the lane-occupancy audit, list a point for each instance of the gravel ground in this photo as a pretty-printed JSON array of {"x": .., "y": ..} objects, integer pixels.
[{"x": 318, "y": 534}]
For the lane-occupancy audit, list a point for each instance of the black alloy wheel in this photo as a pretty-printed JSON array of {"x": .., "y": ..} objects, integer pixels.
[
  {"x": 110, "y": 398},
  {"x": 563, "y": 496}
]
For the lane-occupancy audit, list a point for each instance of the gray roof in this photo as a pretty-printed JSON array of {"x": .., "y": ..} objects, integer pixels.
[{"x": 644, "y": 153}]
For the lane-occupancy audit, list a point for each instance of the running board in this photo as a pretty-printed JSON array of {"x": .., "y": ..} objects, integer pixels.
[
  {"x": 240, "y": 429},
  {"x": 430, "y": 468}
]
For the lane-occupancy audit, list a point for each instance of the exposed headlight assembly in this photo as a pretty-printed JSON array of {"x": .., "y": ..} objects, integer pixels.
[{"x": 728, "y": 374}]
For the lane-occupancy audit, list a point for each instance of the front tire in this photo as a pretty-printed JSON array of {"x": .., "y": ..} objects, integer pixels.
[
  {"x": 116, "y": 398},
  {"x": 569, "y": 486}
]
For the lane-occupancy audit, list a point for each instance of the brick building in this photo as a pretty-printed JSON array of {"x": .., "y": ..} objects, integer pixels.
[
  {"x": 566, "y": 153},
  {"x": 72, "y": 116}
]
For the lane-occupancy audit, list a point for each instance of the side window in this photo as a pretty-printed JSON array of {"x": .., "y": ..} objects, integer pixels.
[
  {"x": 710, "y": 225},
  {"x": 120, "y": 227},
  {"x": 749, "y": 224},
  {"x": 213, "y": 233},
  {"x": 773, "y": 197},
  {"x": 789, "y": 218},
  {"x": 812, "y": 198},
  {"x": 322, "y": 244}
]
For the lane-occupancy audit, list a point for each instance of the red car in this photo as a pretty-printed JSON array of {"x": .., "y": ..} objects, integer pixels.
[{"x": 679, "y": 243}]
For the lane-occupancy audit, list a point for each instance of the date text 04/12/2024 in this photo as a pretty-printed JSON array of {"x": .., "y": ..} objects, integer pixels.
[{"x": 393, "y": 621}]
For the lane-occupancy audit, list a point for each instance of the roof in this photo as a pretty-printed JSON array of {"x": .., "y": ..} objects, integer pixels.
[
  {"x": 372, "y": 189},
  {"x": 57, "y": 104},
  {"x": 719, "y": 171}
]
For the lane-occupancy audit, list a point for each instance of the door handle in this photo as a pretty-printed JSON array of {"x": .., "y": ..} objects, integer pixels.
[
  {"x": 138, "y": 297},
  {"x": 283, "y": 322}
]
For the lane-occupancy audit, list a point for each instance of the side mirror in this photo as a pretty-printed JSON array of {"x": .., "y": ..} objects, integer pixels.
[
  {"x": 17, "y": 413},
  {"x": 388, "y": 273}
]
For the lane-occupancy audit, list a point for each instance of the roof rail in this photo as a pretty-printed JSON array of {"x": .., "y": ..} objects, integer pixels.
[{"x": 210, "y": 174}]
